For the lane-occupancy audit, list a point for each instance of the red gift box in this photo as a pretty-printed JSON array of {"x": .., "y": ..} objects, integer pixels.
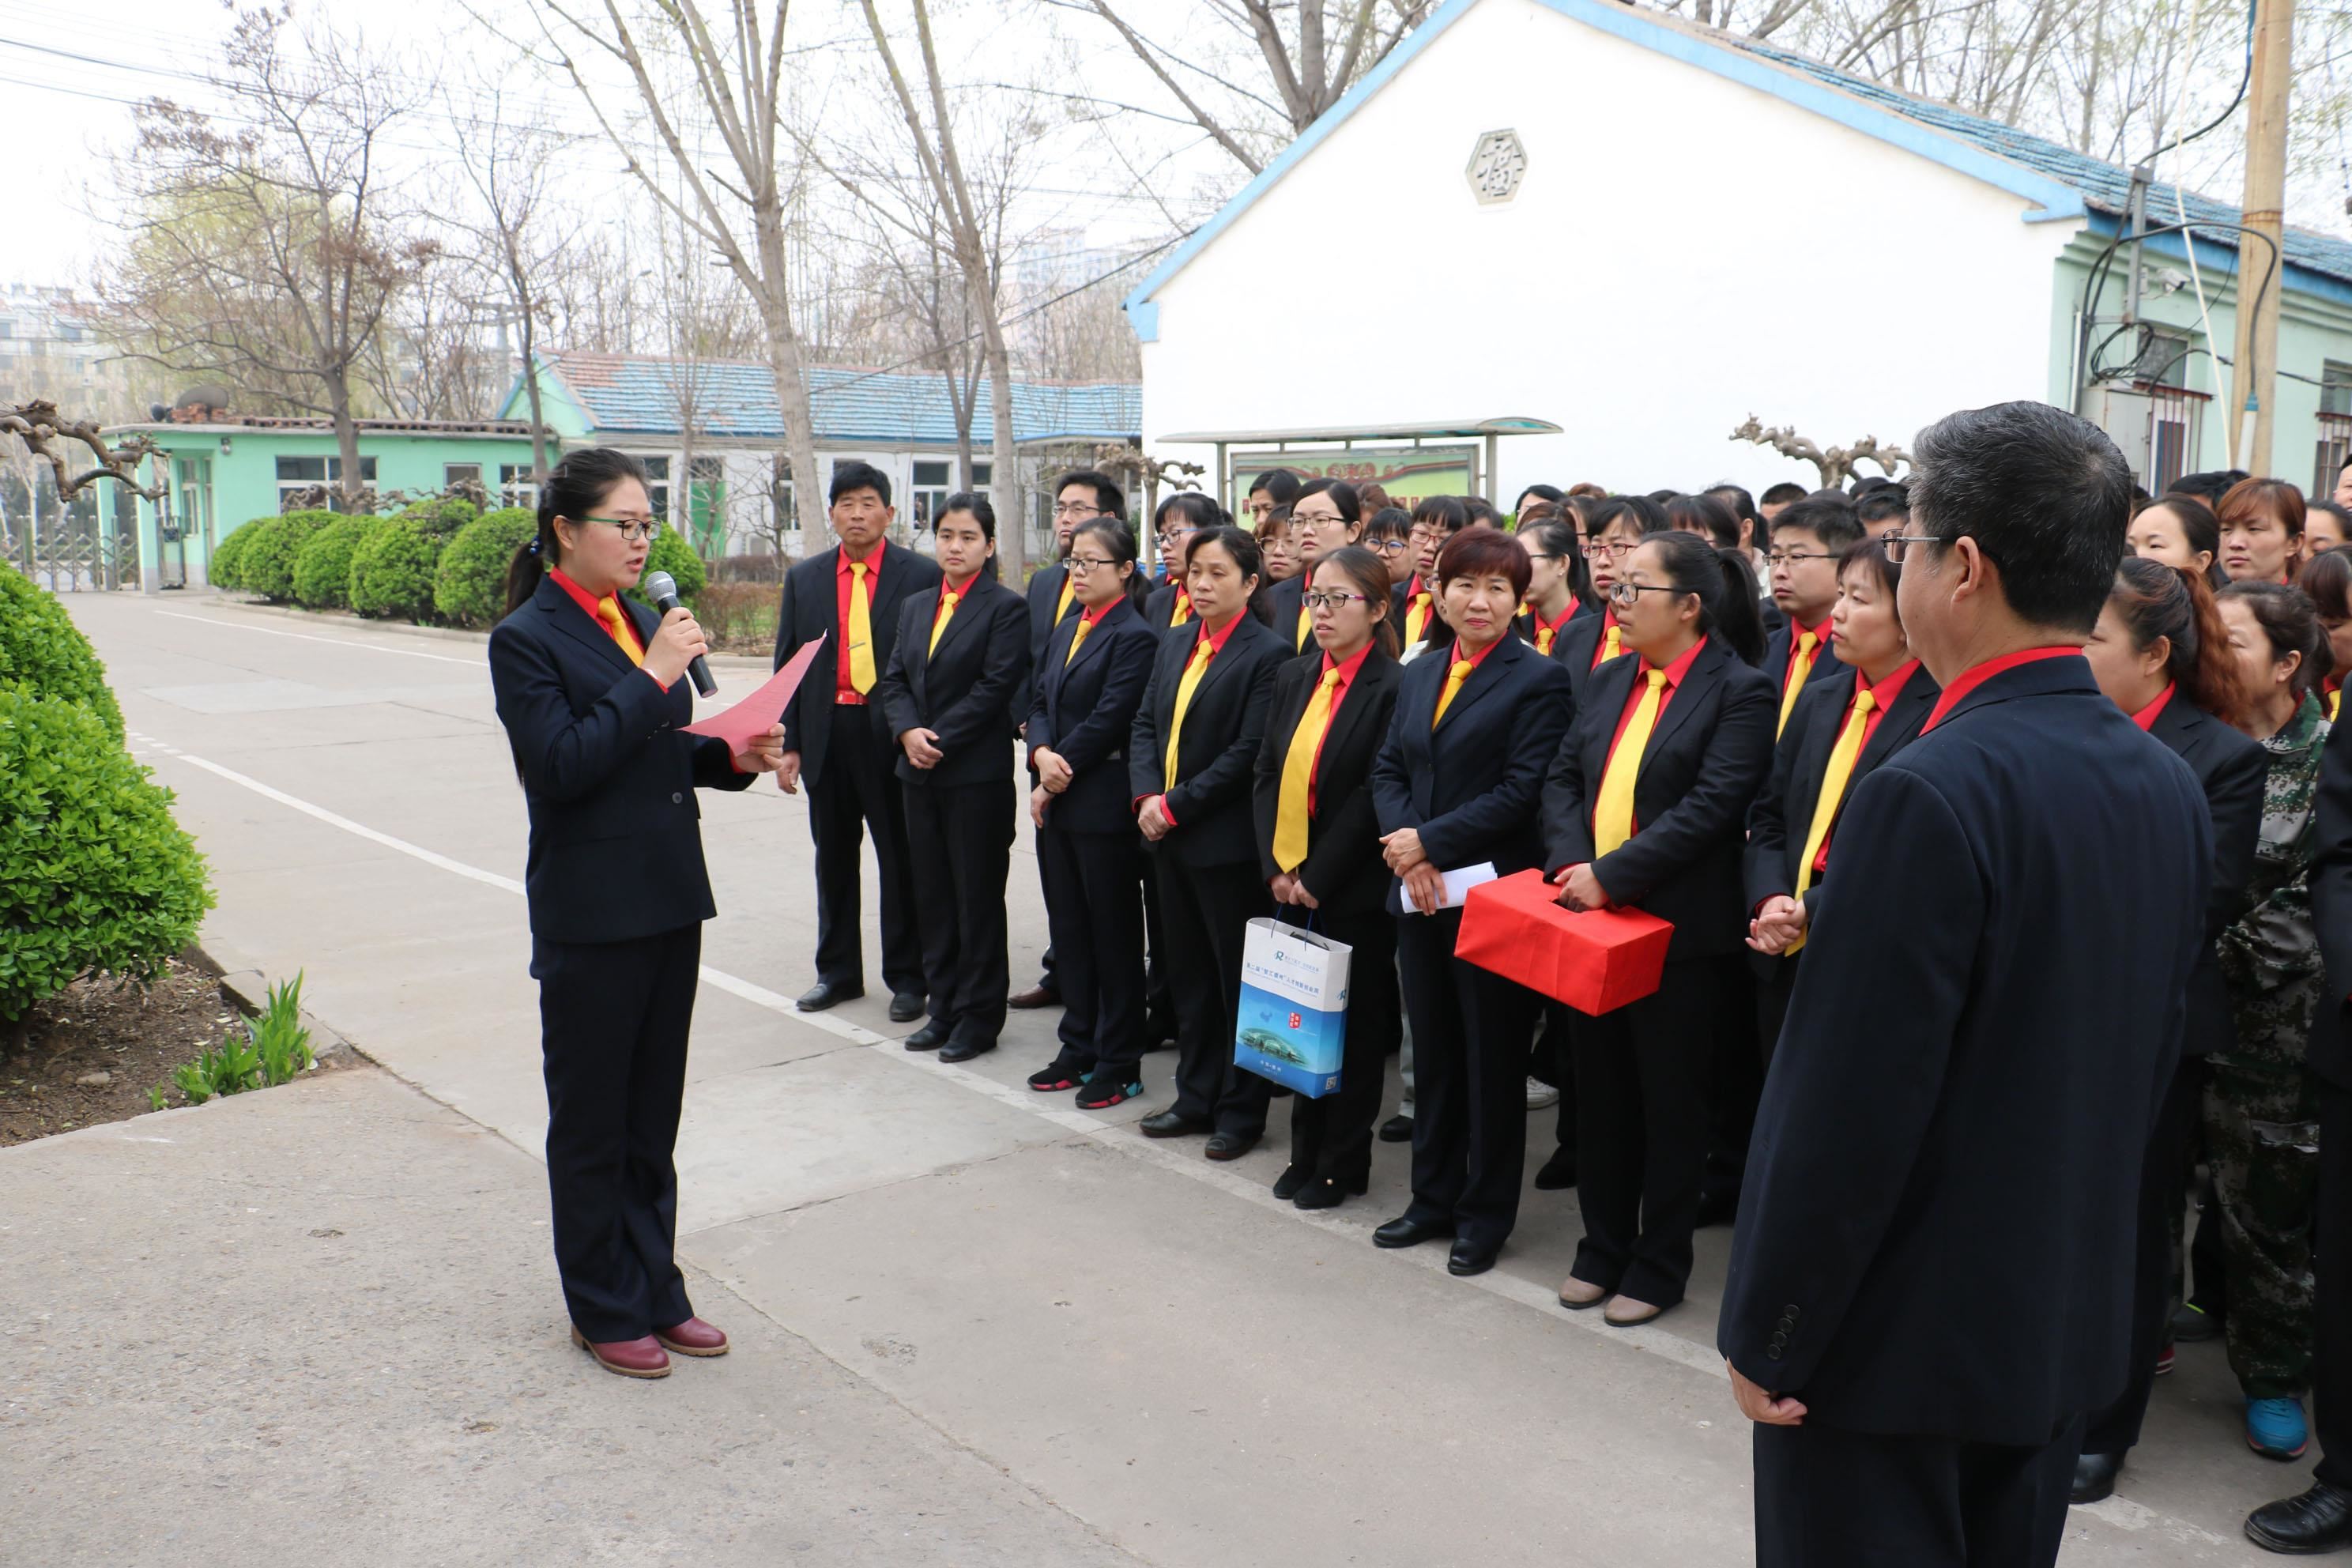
[{"x": 1594, "y": 959}]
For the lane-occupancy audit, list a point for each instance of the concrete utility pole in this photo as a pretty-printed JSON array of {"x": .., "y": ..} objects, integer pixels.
[{"x": 2253, "y": 379}]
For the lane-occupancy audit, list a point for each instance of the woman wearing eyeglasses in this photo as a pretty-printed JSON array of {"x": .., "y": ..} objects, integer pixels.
[
  {"x": 1196, "y": 738},
  {"x": 2161, "y": 653},
  {"x": 1319, "y": 851},
  {"x": 1455, "y": 786},
  {"x": 592, "y": 690},
  {"x": 1327, "y": 516},
  {"x": 1388, "y": 533},
  {"x": 1435, "y": 520},
  {"x": 1086, "y": 688},
  {"x": 1559, "y": 586},
  {"x": 1646, "y": 805},
  {"x": 1618, "y": 526},
  {"x": 1182, "y": 517}
]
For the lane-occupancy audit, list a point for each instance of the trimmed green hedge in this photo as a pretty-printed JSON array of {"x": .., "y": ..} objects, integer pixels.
[
  {"x": 43, "y": 653},
  {"x": 442, "y": 519},
  {"x": 322, "y": 570},
  {"x": 267, "y": 565},
  {"x": 223, "y": 569},
  {"x": 94, "y": 874},
  {"x": 392, "y": 569},
  {"x": 673, "y": 555},
  {"x": 470, "y": 587}
]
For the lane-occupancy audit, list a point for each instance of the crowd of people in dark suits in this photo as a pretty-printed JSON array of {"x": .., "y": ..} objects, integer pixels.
[{"x": 1973, "y": 984}]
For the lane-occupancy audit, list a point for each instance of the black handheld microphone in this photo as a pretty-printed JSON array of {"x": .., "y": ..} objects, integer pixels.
[{"x": 662, "y": 587}]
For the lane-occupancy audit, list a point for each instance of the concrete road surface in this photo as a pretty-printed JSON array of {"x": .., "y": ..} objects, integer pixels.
[{"x": 1097, "y": 1344}]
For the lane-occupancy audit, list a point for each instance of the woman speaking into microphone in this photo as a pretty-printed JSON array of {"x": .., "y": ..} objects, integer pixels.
[{"x": 592, "y": 690}]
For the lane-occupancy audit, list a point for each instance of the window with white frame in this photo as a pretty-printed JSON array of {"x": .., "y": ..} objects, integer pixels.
[
  {"x": 517, "y": 486},
  {"x": 657, "y": 484},
  {"x": 297, "y": 475}
]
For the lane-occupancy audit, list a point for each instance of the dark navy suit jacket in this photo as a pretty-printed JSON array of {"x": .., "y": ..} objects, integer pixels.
[
  {"x": 964, "y": 691},
  {"x": 2233, "y": 769},
  {"x": 1470, "y": 786},
  {"x": 1083, "y": 710},
  {"x": 1343, "y": 868},
  {"x": 1782, "y": 816},
  {"x": 2331, "y": 908},
  {"x": 1223, "y": 729},
  {"x": 811, "y": 609},
  {"x": 1941, "y": 1216},
  {"x": 607, "y": 777}
]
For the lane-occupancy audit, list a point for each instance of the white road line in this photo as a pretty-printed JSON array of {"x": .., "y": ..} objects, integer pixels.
[
  {"x": 2119, "y": 1511},
  {"x": 308, "y": 637}
]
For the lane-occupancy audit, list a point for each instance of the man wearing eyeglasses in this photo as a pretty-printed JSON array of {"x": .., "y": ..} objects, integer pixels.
[
  {"x": 1932, "y": 1279},
  {"x": 1079, "y": 496},
  {"x": 837, "y": 740},
  {"x": 1807, "y": 539}
]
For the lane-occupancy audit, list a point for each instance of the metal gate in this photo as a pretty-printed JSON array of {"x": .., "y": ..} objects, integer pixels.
[{"x": 89, "y": 546}]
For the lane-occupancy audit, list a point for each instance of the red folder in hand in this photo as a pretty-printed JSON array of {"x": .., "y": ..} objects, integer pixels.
[{"x": 1594, "y": 959}]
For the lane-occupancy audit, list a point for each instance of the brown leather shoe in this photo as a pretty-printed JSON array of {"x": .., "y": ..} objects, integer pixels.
[
  {"x": 693, "y": 1337},
  {"x": 1035, "y": 996},
  {"x": 630, "y": 1357}
]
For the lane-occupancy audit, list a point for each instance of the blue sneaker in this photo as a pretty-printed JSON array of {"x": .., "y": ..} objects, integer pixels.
[{"x": 2275, "y": 1428}]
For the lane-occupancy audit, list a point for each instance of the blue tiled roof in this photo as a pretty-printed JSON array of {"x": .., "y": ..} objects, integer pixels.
[
  {"x": 733, "y": 397},
  {"x": 2102, "y": 185}
]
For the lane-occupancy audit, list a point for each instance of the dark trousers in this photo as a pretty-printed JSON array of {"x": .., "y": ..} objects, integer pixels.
[
  {"x": 1094, "y": 911},
  {"x": 1737, "y": 1080},
  {"x": 1159, "y": 1001},
  {"x": 614, "y": 1018},
  {"x": 2162, "y": 1192},
  {"x": 1331, "y": 1138},
  {"x": 1470, "y": 1034},
  {"x": 1556, "y": 1051},
  {"x": 1772, "y": 993},
  {"x": 1643, "y": 1133},
  {"x": 1832, "y": 1498},
  {"x": 1205, "y": 912},
  {"x": 960, "y": 841},
  {"x": 2332, "y": 1368},
  {"x": 858, "y": 792}
]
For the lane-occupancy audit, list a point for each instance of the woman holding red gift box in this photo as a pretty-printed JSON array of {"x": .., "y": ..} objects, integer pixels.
[
  {"x": 1645, "y": 806},
  {"x": 1320, "y": 850},
  {"x": 1840, "y": 732},
  {"x": 1455, "y": 786}
]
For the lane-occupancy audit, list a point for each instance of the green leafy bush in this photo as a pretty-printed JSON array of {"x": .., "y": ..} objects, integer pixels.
[
  {"x": 673, "y": 555},
  {"x": 442, "y": 519},
  {"x": 322, "y": 570},
  {"x": 470, "y": 588},
  {"x": 221, "y": 570},
  {"x": 94, "y": 874},
  {"x": 391, "y": 570},
  {"x": 275, "y": 1048},
  {"x": 267, "y": 565},
  {"x": 44, "y": 653}
]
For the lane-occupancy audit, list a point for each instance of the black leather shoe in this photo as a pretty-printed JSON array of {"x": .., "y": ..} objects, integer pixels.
[
  {"x": 1170, "y": 1123},
  {"x": 826, "y": 993},
  {"x": 2305, "y": 1524},
  {"x": 1406, "y": 1231},
  {"x": 1229, "y": 1145},
  {"x": 1327, "y": 1194},
  {"x": 964, "y": 1050},
  {"x": 929, "y": 1037},
  {"x": 906, "y": 1006},
  {"x": 2094, "y": 1478},
  {"x": 1292, "y": 1181},
  {"x": 1397, "y": 1130},
  {"x": 1035, "y": 996},
  {"x": 1469, "y": 1258},
  {"x": 1559, "y": 1172}
]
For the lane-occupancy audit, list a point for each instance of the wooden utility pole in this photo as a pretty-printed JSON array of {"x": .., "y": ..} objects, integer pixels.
[{"x": 2253, "y": 379}]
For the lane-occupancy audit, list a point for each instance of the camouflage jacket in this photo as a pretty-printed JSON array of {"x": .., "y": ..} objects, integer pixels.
[{"x": 2269, "y": 955}]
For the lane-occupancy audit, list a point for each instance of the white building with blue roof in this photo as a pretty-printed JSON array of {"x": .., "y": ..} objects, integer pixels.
[
  {"x": 902, "y": 422},
  {"x": 1644, "y": 231}
]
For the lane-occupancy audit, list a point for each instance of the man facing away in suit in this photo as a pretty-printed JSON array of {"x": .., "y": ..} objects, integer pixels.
[
  {"x": 1931, "y": 1282},
  {"x": 836, "y": 741}
]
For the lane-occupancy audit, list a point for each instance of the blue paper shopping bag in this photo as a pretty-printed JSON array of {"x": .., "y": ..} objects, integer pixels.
[{"x": 1294, "y": 1007}]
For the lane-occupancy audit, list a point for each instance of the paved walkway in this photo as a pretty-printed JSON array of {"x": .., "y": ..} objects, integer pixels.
[{"x": 1156, "y": 1356}]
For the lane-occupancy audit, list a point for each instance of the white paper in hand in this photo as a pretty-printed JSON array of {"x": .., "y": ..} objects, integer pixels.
[{"x": 1457, "y": 886}]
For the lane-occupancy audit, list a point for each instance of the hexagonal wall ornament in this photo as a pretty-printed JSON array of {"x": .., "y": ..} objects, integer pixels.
[{"x": 1497, "y": 165}]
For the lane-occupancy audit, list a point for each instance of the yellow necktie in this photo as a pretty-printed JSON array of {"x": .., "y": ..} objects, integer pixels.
[
  {"x": 1183, "y": 610},
  {"x": 948, "y": 599},
  {"x": 1298, "y": 776},
  {"x": 1833, "y": 782},
  {"x": 1306, "y": 627},
  {"x": 861, "y": 631},
  {"x": 1069, "y": 586},
  {"x": 1202, "y": 653},
  {"x": 1801, "y": 666},
  {"x": 1416, "y": 619},
  {"x": 608, "y": 610},
  {"x": 1078, "y": 640},
  {"x": 1543, "y": 637},
  {"x": 2334, "y": 701},
  {"x": 1612, "y": 643},
  {"x": 1612, "y": 813},
  {"x": 1454, "y": 679}
]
